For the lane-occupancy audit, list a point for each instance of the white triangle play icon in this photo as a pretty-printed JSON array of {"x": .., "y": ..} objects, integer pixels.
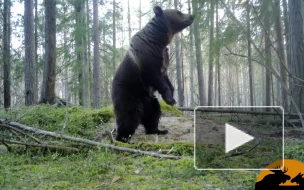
[{"x": 235, "y": 138}]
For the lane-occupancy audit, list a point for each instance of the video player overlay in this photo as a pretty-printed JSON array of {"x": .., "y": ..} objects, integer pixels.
[{"x": 244, "y": 138}]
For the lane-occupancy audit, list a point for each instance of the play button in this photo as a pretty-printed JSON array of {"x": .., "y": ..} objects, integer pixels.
[{"x": 235, "y": 138}]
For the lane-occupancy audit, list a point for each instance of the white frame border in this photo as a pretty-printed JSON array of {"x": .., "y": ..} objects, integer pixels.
[{"x": 238, "y": 169}]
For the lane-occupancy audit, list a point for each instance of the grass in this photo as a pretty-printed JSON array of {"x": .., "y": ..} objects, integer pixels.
[
  {"x": 107, "y": 169},
  {"x": 97, "y": 169}
]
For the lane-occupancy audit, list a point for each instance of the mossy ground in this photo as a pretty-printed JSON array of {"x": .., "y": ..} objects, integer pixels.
[
  {"x": 102, "y": 168},
  {"x": 97, "y": 169}
]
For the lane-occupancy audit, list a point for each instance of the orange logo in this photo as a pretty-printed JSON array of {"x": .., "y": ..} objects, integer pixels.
[{"x": 291, "y": 175}]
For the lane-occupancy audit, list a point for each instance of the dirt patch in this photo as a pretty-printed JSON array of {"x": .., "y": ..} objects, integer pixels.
[
  {"x": 181, "y": 129},
  {"x": 209, "y": 132}
]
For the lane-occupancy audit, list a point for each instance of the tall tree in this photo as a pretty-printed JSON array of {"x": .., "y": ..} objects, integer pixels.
[
  {"x": 286, "y": 30},
  {"x": 96, "y": 66},
  {"x": 266, "y": 9},
  {"x": 218, "y": 56},
  {"x": 251, "y": 87},
  {"x": 281, "y": 53},
  {"x": 129, "y": 20},
  {"x": 198, "y": 53},
  {"x": 49, "y": 71},
  {"x": 180, "y": 90},
  {"x": 211, "y": 37},
  {"x": 79, "y": 32},
  {"x": 36, "y": 20},
  {"x": 6, "y": 53},
  {"x": 296, "y": 52},
  {"x": 85, "y": 60},
  {"x": 139, "y": 15},
  {"x": 29, "y": 61},
  {"x": 191, "y": 60},
  {"x": 114, "y": 35}
]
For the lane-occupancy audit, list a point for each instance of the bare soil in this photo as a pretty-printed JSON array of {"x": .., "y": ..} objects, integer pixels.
[{"x": 181, "y": 129}]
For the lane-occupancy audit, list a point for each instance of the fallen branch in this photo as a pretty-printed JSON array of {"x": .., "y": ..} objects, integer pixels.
[
  {"x": 90, "y": 142},
  {"x": 40, "y": 145},
  {"x": 21, "y": 132}
]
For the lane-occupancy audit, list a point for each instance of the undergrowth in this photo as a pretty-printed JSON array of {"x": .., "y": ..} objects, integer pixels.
[
  {"x": 102, "y": 168},
  {"x": 108, "y": 169}
]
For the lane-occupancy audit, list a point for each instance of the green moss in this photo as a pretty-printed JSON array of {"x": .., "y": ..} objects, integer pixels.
[
  {"x": 294, "y": 149},
  {"x": 169, "y": 110},
  {"x": 96, "y": 170},
  {"x": 78, "y": 121}
]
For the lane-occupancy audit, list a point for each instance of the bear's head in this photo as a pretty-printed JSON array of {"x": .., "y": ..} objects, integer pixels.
[{"x": 176, "y": 21}]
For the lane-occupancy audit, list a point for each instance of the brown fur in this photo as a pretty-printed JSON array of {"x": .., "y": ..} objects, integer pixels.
[{"x": 143, "y": 70}]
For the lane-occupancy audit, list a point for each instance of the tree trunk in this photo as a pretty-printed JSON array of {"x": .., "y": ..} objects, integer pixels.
[
  {"x": 296, "y": 52},
  {"x": 139, "y": 16},
  {"x": 268, "y": 59},
  {"x": 49, "y": 71},
  {"x": 191, "y": 70},
  {"x": 96, "y": 66},
  {"x": 66, "y": 71},
  {"x": 114, "y": 36},
  {"x": 279, "y": 34},
  {"x": 180, "y": 90},
  {"x": 211, "y": 37},
  {"x": 287, "y": 34},
  {"x": 36, "y": 44},
  {"x": 79, "y": 32},
  {"x": 7, "y": 53},
  {"x": 129, "y": 21},
  {"x": 197, "y": 39},
  {"x": 218, "y": 58},
  {"x": 29, "y": 60},
  {"x": 89, "y": 63},
  {"x": 85, "y": 63},
  {"x": 251, "y": 87}
]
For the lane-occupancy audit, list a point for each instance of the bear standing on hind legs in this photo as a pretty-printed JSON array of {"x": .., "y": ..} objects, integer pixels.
[{"x": 142, "y": 72}]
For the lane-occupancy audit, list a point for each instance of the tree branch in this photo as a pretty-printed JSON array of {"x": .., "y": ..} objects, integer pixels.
[
  {"x": 275, "y": 73},
  {"x": 40, "y": 145},
  {"x": 90, "y": 142},
  {"x": 21, "y": 132}
]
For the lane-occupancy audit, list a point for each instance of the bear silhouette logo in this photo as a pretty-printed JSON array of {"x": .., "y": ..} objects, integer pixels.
[{"x": 290, "y": 176}]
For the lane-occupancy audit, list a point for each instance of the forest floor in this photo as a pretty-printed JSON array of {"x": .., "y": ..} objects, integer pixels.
[{"x": 108, "y": 169}]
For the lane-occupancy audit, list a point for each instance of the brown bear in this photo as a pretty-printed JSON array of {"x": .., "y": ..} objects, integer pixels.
[{"x": 143, "y": 71}]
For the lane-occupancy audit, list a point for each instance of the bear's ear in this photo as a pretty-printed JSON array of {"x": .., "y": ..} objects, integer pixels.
[{"x": 158, "y": 11}]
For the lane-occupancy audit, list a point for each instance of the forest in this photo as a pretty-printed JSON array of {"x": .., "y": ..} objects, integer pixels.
[
  {"x": 237, "y": 53},
  {"x": 58, "y": 60}
]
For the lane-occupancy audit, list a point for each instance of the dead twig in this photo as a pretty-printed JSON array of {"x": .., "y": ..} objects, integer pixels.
[
  {"x": 6, "y": 145},
  {"x": 109, "y": 134}
]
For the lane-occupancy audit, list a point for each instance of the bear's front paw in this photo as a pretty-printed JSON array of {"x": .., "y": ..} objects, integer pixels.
[{"x": 169, "y": 99}]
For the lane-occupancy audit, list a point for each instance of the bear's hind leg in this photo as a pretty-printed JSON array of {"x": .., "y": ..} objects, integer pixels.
[
  {"x": 128, "y": 116},
  {"x": 125, "y": 131},
  {"x": 151, "y": 117}
]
